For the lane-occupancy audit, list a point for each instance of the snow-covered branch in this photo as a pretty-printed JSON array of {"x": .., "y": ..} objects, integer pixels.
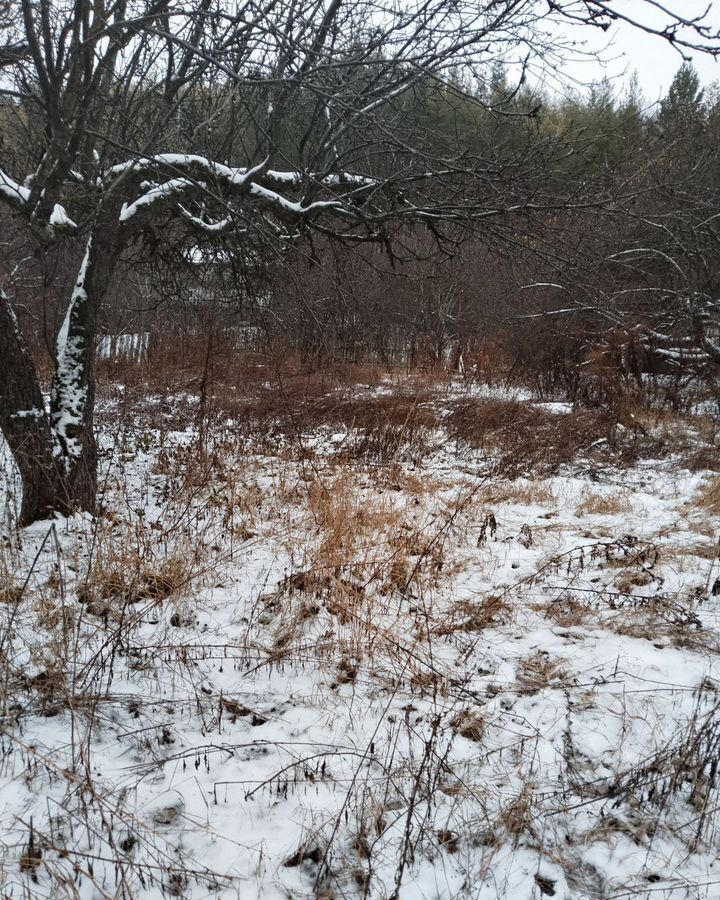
[
  {"x": 196, "y": 177},
  {"x": 13, "y": 192},
  {"x": 238, "y": 176},
  {"x": 18, "y": 196},
  {"x": 156, "y": 194}
]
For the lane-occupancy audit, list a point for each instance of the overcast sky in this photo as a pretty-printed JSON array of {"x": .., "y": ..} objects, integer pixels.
[{"x": 627, "y": 50}]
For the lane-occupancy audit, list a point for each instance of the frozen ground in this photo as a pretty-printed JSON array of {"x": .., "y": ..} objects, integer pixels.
[{"x": 274, "y": 669}]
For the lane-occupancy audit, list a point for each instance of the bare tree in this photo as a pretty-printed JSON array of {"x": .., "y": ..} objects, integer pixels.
[{"x": 261, "y": 122}]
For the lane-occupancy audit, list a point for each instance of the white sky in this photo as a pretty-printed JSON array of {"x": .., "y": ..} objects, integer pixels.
[{"x": 627, "y": 50}]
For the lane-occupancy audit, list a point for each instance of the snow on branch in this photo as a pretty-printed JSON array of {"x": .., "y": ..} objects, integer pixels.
[
  {"x": 13, "y": 191},
  {"x": 295, "y": 208},
  {"x": 60, "y": 219},
  {"x": 19, "y": 196},
  {"x": 266, "y": 187},
  {"x": 713, "y": 347},
  {"x": 170, "y": 176},
  {"x": 679, "y": 354},
  {"x": 155, "y": 194},
  {"x": 209, "y": 227},
  {"x": 679, "y": 349},
  {"x": 237, "y": 175}
]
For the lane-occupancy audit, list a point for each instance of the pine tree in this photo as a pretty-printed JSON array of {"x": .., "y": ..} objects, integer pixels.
[{"x": 684, "y": 105}]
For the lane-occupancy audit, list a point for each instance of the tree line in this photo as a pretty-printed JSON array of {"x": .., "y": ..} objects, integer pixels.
[{"x": 605, "y": 239}]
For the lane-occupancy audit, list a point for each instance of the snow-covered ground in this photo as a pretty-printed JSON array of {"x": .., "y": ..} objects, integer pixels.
[{"x": 272, "y": 671}]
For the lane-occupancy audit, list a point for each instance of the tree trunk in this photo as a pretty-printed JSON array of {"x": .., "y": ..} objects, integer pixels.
[
  {"x": 55, "y": 451},
  {"x": 23, "y": 419}
]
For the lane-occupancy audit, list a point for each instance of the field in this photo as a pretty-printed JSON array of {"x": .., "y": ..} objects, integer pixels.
[{"x": 367, "y": 635}]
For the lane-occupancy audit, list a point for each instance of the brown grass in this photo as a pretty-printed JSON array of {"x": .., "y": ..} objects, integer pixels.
[
  {"x": 524, "y": 492},
  {"x": 567, "y": 611},
  {"x": 516, "y": 817},
  {"x": 707, "y": 550},
  {"x": 10, "y": 593},
  {"x": 530, "y": 439},
  {"x": 470, "y": 616},
  {"x": 527, "y": 438},
  {"x": 369, "y": 576},
  {"x": 366, "y": 556},
  {"x": 626, "y": 582},
  {"x": 593, "y": 503},
  {"x": 694, "y": 439},
  {"x": 276, "y": 397},
  {"x": 708, "y": 497},
  {"x": 126, "y": 578},
  {"x": 538, "y": 672},
  {"x": 469, "y": 725}
]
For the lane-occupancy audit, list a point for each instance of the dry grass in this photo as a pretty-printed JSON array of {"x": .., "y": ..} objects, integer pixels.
[
  {"x": 523, "y": 492},
  {"x": 693, "y": 439},
  {"x": 567, "y": 611},
  {"x": 367, "y": 561},
  {"x": 275, "y": 397},
  {"x": 516, "y": 817},
  {"x": 708, "y": 497},
  {"x": 706, "y": 550},
  {"x": 608, "y": 504},
  {"x": 123, "y": 577},
  {"x": 527, "y": 438},
  {"x": 10, "y": 591},
  {"x": 626, "y": 582},
  {"x": 472, "y": 616},
  {"x": 539, "y": 672},
  {"x": 469, "y": 724}
]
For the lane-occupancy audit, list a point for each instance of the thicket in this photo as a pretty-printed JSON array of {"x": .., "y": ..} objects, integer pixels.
[{"x": 616, "y": 288}]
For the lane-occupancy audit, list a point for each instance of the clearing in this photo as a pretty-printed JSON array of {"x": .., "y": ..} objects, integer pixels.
[{"x": 368, "y": 636}]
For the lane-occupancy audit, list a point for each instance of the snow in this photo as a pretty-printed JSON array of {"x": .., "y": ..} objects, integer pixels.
[
  {"x": 10, "y": 188},
  {"x": 29, "y": 414},
  {"x": 295, "y": 207},
  {"x": 154, "y": 194},
  {"x": 69, "y": 392},
  {"x": 212, "y": 741},
  {"x": 556, "y": 407},
  {"x": 180, "y": 161},
  {"x": 4, "y": 299},
  {"x": 20, "y": 194},
  {"x": 165, "y": 190},
  {"x": 198, "y": 254},
  {"x": 238, "y": 175},
  {"x": 239, "y": 178},
  {"x": 60, "y": 219}
]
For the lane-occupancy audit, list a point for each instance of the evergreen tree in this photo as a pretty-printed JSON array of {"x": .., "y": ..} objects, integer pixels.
[{"x": 684, "y": 106}]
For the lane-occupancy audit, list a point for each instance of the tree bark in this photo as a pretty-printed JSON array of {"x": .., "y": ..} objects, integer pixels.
[
  {"x": 56, "y": 451},
  {"x": 24, "y": 421}
]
